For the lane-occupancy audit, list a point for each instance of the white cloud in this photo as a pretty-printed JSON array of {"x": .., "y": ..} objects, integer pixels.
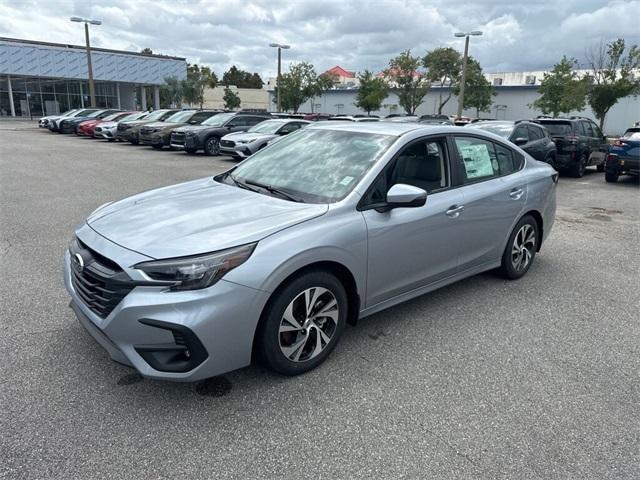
[{"x": 518, "y": 35}]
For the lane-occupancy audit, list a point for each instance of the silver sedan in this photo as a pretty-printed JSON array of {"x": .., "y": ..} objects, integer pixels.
[
  {"x": 272, "y": 258},
  {"x": 244, "y": 144}
]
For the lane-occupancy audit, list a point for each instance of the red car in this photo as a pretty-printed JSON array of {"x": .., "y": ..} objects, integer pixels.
[{"x": 86, "y": 128}]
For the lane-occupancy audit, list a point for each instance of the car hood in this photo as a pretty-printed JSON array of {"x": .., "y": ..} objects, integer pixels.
[
  {"x": 249, "y": 137},
  {"x": 156, "y": 124},
  {"x": 195, "y": 128},
  {"x": 196, "y": 217},
  {"x": 108, "y": 124}
]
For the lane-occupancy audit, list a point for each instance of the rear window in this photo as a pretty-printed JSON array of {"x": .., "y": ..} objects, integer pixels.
[
  {"x": 632, "y": 134},
  {"x": 558, "y": 128}
]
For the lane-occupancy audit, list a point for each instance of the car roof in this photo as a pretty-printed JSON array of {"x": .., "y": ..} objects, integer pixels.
[{"x": 385, "y": 128}]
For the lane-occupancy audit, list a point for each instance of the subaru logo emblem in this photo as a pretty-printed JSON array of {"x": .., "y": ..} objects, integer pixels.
[{"x": 78, "y": 262}]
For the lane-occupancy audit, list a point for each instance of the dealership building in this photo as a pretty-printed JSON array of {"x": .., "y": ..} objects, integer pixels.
[{"x": 40, "y": 78}]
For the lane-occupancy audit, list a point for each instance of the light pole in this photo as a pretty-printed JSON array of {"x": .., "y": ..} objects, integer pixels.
[
  {"x": 280, "y": 47},
  {"x": 92, "y": 90},
  {"x": 464, "y": 66}
]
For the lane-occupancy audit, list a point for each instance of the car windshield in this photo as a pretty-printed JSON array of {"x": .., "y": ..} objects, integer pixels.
[
  {"x": 558, "y": 128},
  {"x": 180, "y": 117},
  {"x": 217, "y": 120},
  {"x": 83, "y": 113},
  {"x": 68, "y": 112},
  {"x": 632, "y": 134},
  {"x": 316, "y": 165},
  {"x": 157, "y": 115},
  {"x": 268, "y": 126},
  {"x": 133, "y": 116},
  {"x": 502, "y": 129},
  {"x": 112, "y": 117},
  {"x": 95, "y": 114}
]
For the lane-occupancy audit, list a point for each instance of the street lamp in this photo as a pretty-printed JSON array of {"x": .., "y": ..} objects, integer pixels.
[
  {"x": 280, "y": 47},
  {"x": 464, "y": 66},
  {"x": 86, "y": 21}
]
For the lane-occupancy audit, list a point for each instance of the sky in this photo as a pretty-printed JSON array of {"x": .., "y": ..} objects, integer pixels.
[{"x": 355, "y": 34}]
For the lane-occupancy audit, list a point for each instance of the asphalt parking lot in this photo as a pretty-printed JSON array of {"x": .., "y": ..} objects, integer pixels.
[{"x": 538, "y": 378}]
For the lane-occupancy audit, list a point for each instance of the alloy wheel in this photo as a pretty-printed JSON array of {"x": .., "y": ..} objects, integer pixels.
[
  {"x": 523, "y": 245},
  {"x": 308, "y": 324},
  {"x": 213, "y": 146}
]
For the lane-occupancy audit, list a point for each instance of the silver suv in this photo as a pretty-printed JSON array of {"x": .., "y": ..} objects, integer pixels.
[{"x": 272, "y": 258}]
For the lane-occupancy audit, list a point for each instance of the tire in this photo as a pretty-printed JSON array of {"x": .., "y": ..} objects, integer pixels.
[
  {"x": 111, "y": 139},
  {"x": 191, "y": 150},
  {"x": 521, "y": 249},
  {"x": 577, "y": 169},
  {"x": 600, "y": 167},
  {"x": 157, "y": 147},
  {"x": 212, "y": 146},
  {"x": 295, "y": 349},
  {"x": 134, "y": 141},
  {"x": 611, "y": 177}
]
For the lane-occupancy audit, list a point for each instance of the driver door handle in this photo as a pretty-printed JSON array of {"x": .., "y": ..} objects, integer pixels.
[
  {"x": 454, "y": 211},
  {"x": 516, "y": 193}
]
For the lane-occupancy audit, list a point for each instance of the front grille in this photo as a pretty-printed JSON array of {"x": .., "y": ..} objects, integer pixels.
[
  {"x": 122, "y": 127},
  {"x": 227, "y": 143},
  {"x": 97, "y": 129},
  {"x": 177, "y": 138},
  {"x": 101, "y": 284}
]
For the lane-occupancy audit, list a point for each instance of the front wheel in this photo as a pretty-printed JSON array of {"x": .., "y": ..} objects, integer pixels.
[
  {"x": 578, "y": 168},
  {"x": 190, "y": 150},
  {"x": 212, "y": 146},
  {"x": 303, "y": 323},
  {"x": 521, "y": 248},
  {"x": 157, "y": 147},
  {"x": 611, "y": 177},
  {"x": 600, "y": 167}
]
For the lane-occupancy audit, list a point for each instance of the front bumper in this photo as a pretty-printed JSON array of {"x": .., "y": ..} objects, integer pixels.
[{"x": 223, "y": 318}]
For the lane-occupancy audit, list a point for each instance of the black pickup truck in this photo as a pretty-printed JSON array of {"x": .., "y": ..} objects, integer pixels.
[{"x": 579, "y": 142}]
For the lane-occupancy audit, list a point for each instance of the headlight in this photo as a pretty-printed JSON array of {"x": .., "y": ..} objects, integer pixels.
[
  {"x": 201, "y": 271},
  {"x": 242, "y": 142},
  {"x": 190, "y": 134}
]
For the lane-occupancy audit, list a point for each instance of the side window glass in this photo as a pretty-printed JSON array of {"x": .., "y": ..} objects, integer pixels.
[
  {"x": 596, "y": 130},
  {"x": 478, "y": 159},
  {"x": 521, "y": 132},
  {"x": 504, "y": 156},
  {"x": 254, "y": 120},
  {"x": 423, "y": 165},
  {"x": 237, "y": 122},
  {"x": 534, "y": 133},
  {"x": 584, "y": 129}
]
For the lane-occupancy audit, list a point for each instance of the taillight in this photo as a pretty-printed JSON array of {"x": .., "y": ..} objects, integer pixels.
[
  {"x": 612, "y": 158},
  {"x": 619, "y": 143}
]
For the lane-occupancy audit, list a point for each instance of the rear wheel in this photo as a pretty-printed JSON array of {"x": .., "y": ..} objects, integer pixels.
[
  {"x": 578, "y": 168},
  {"x": 600, "y": 167},
  {"x": 157, "y": 147},
  {"x": 303, "y": 323},
  {"x": 611, "y": 177},
  {"x": 190, "y": 150},
  {"x": 212, "y": 146},
  {"x": 521, "y": 248},
  {"x": 134, "y": 141}
]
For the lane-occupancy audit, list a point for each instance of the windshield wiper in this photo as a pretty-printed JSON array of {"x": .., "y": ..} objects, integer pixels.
[
  {"x": 275, "y": 190},
  {"x": 241, "y": 184}
]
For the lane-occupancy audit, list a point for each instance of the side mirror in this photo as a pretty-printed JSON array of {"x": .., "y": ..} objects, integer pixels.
[
  {"x": 402, "y": 195},
  {"x": 193, "y": 122},
  {"x": 521, "y": 141}
]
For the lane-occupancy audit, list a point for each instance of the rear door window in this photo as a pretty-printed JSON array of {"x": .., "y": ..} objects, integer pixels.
[
  {"x": 521, "y": 132},
  {"x": 535, "y": 133},
  {"x": 558, "y": 128},
  {"x": 479, "y": 159}
]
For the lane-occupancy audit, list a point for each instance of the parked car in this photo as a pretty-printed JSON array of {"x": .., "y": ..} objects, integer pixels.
[
  {"x": 54, "y": 123},
  {"x": 243, "y": 144},
  {"x": 109, "y": 129},
  {"x": 315, "y": 117},
  {"x": 158, "y": 134},
  {"x": 435, "y": 120},
  {"x": 87, "y": 128},
  {"x": 68, "y": 125},
  {"x": 43, "y": 122},
  {"x": 531, "y": 137},
  {"x": 462, "y": 121},
  {"x": 624, "y": 156},
  {"x": 207, "y": 135},
  {"x": 402, "y": 119},
  {"x": 579, "y": 142},
  {"x": 129, "y": 131},
  {"x": 349, "y": 118},
  {"x": 273, "y": 257}
]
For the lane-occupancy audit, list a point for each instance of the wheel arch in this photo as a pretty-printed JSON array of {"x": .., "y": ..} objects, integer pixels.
[
  {"x": 340, "y": 271},
  {"x": 538, "y": 218}
]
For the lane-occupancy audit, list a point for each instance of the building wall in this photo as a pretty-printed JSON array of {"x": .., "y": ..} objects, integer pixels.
[
  {"x": 41, "y": 60},
  {"x": 254, "y": 98},
  {"x": 510, "y": 103}
]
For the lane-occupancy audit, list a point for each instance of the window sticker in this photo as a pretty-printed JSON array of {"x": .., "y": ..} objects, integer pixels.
[
  {"x": 346, "y": 180},
  {"x": 477, "y": 161}
]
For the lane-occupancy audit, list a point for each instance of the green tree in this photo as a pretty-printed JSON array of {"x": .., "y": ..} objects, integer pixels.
[
  {"x": 172, "y": 92},
  {"x": 300, "y": 84},
  {"x": 478, "y": 91},
  {"x": 444, "y": 67},
  {"x": 231, "y": 99},
  {"x": 561, "y": 90},
  {"x": 198, "y": 79},
  {"x": 241, "y": 78},
  {"x": 146, "y": 51},
  {"x": 411, "y": 85},
  {"x": 612, "y": 76},
  {"x": 371, "y": 92}
]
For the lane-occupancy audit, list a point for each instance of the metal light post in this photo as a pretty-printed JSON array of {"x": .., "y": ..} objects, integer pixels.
[
  {"x": 280, "y": 47},
  {"x": 464, "y": 66},
  {"x": 92, "y": 90}
]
